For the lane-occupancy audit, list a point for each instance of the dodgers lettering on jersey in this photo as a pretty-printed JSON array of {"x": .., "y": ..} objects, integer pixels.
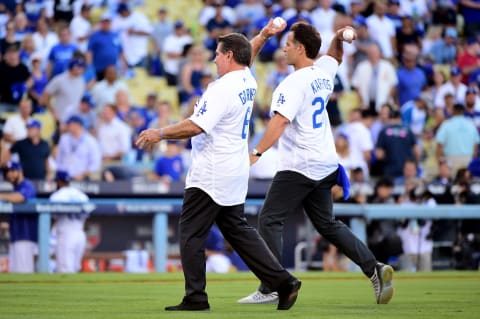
[
  {"x": 220, "y": 164},
  {"x": 307, "y": 144}
]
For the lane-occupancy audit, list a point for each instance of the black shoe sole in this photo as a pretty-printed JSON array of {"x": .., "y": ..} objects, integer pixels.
[
  {"x": 189, "y": 307},
  {"x": 292, "y": 297}
]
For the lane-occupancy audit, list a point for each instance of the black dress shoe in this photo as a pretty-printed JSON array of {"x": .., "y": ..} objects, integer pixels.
[
  {"x": 287, "y": 293},
  {"x": 189, "y": 306}
]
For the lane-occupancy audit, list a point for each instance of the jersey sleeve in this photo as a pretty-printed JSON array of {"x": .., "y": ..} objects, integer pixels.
[
  {"x": 287, "y": 99},
  {"x": 210, "y": 108},
  {"x": 328, "y": 64}
]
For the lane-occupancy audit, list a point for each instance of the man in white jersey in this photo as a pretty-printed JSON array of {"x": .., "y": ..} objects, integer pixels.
[
  {"x": 71, "y": 238},
  {"x": 308, "y": 162},
  {"x": 217, "y": 181}
]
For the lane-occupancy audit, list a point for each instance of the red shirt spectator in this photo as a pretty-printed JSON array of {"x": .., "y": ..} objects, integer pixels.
[{"x": 469, "y": 60}]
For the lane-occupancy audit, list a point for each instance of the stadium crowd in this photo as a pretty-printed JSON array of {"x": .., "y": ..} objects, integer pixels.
[{"x": 405, "y": 108}]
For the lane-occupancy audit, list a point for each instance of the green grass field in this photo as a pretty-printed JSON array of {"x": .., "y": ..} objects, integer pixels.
[{"x": 436, "y": 295}]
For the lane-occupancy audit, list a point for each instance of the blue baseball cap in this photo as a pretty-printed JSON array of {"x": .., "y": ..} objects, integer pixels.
[
  {"x": 62, "y": 176},
  {"x": 34, "y": 123},
  {"x": 359, "y": 21},
  {"x": 14, "y": 166},
  {"x": 455, "y": 71},
  {"x": 75, "y": 119},
  {"x": 122, "y": 7},
  {"x": 87, "y": 98},
  {"x": 178, "y": 24},
  {"x": 451, "y": 32},
  {"x": 472, "y": 40},
  {"x": 76, "y": 63}
]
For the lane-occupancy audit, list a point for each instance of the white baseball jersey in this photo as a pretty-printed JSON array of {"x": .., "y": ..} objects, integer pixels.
[
  {"x": 69, "y": 194},
  {"x": 220, "y": 162},
  {"x": 307, "y": 144}
]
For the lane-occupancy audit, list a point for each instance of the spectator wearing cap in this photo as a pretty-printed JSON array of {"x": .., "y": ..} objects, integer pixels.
[
  {"x": 454, "y": 86},
  {"x": 81, "y": 28},
  {"x": 396, "y": 143},
  {"x": 457, "y": 139},
  {"x": 216, "y": 27},
  {"x": 78, "y": 151},
  {"x": 472, "y": 105},
  {"x": 382, "y": 30},
  {"x": 39, "y": 83},
  {"x": 134, "y": 29},
  {"x": 86, "y": 111},
  {"x": 105, "y": 46},
  {"x": 33, "y": 152},
  {"x": 374, "y": 79},
  {"x": 114, "y": 135},
  {"x": 23, "y": 227},
  {"x": 15, "y": 127},
  {"x": 173, "y": 50},
  {"x": 393, "y": 13},
  {"x": 444, "y": 50},
  {"x": 363, "y": 41},
  {"x": 411, "y": 78},
  {"x": 469, "y": 60},
  {"x": 104, "y": 91},
  {"x": 471, "y": 16},
  {"x": 67, "y": 90},
  {"x": 415, "y": 113},
  {"x": 14, "y": 80},
  {"x": 69, "y": 228},
  {"x": 61, "y": 54}
]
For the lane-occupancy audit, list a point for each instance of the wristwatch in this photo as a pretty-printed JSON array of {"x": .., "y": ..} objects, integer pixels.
[{"x": 255, "y": 152}]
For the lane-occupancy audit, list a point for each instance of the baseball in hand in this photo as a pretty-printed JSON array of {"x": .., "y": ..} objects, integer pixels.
[
  {"x": 347, "y": 35},
  {"x": 278, "y": 22}
]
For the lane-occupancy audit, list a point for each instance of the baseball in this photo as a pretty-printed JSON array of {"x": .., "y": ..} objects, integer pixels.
[
  {"x": 347, "y": 35},
  {"x": 278, "y": 22}
]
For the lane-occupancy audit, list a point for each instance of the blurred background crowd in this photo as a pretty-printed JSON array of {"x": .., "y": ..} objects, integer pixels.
[{"x": 79, "y": 80}]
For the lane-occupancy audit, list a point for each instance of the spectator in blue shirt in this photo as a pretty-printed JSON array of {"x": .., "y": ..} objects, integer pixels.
[
  {"x": 23, "y": 227},
  {"x": 411, "y": 78},
  {"x": 61, "y": 54},
  {"x": 34, "y": 10},
  {"x": 169, "y": 167},
  {"x": 444, "y": 50},
  {"x": 471, "y": 16},
  {"x": 273, "y": 43},
  {"x": 104, "y": 46}
]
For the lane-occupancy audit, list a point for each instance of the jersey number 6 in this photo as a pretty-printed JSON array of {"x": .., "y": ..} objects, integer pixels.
[{"x": 246, "y": 122}]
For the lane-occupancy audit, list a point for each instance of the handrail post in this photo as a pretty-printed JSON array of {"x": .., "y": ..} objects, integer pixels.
[
  {"x": 44, "y": 223},
  {"x": 160, "y": 239}
]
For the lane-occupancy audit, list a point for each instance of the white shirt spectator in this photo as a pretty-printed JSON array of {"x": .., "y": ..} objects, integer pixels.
[
  {"x": 174, "y": 44},
  {"x": 104, "y": 92},
  {"x": 114, "y": 138},
  {"x": 360, "y": 141},
  {"x": 386, "y": 80},
  {"x": 414, "y": 8},
  {"x": 323, "y": 20},
  {"x": 382, "y": 30},
  {"x": 44, "y": 44},
  {"x": 16, "y": 127},
  {"x": 79, "y": 28},
  {"x": 135, "y": 47},
  {"x": 80, "y": 156},
  {"x": 446, "y": 88}
]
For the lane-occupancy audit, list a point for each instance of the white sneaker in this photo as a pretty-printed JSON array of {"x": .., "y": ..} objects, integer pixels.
[
  {"x": 258, "y": 298},
  {"x": 382, "y": 283}
]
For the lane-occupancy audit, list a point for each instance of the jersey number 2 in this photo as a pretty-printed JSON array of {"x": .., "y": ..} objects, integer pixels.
[{"x": 315, "y": 116}]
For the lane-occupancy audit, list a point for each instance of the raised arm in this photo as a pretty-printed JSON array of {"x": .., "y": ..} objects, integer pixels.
[
  {"x": 336, "y": 46},
  {"x": 262, "y": 37}
]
